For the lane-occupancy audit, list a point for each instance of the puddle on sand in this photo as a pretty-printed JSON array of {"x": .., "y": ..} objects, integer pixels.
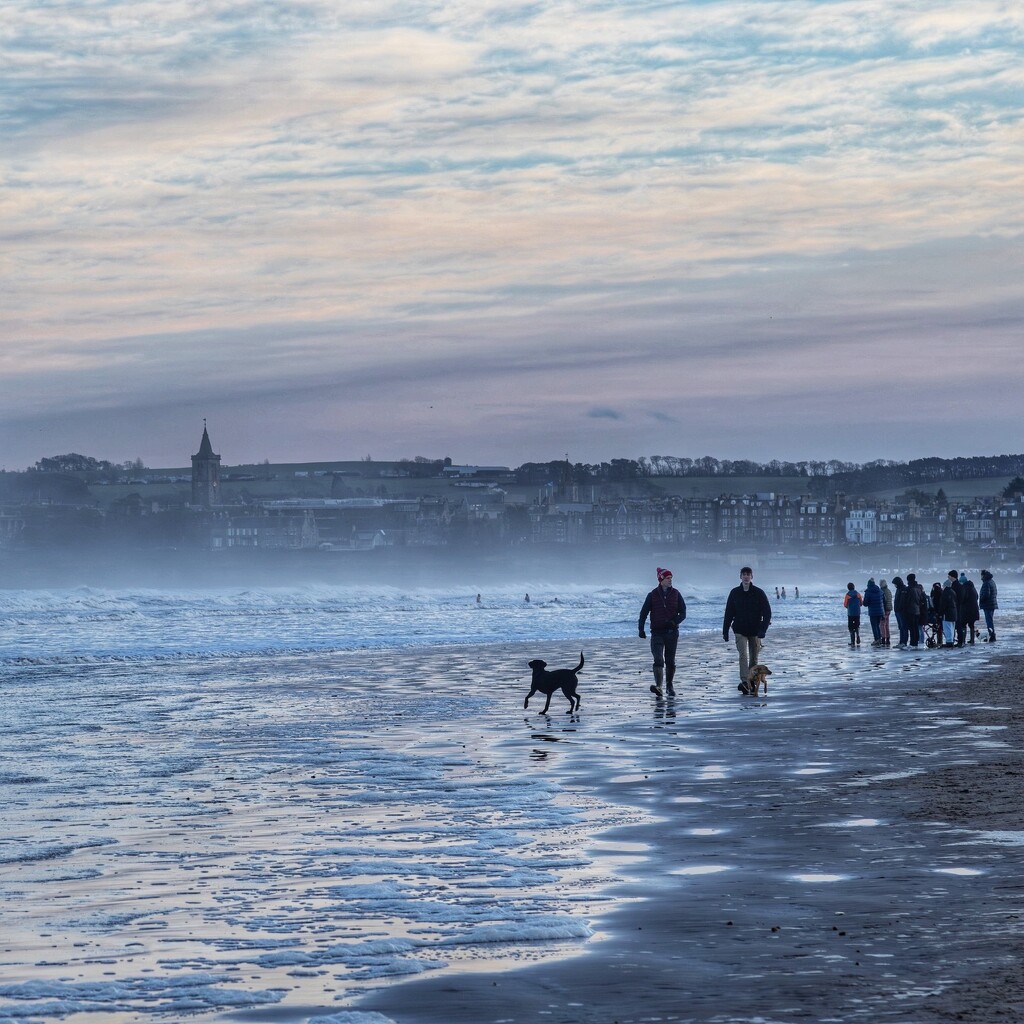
[
  {"x": 852, "y": 823},
  {"x": 960, "y": 872},
  {"x": 815, "y": 878},
  {"x": 701, "y": 869},
  {"x": 1005, "y": 838},
  {"x": 706, "y": 831}
]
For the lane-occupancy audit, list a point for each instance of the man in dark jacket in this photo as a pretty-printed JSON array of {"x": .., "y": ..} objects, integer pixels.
[
  {"x": 988, "y": 602},
  {"x": 667, "y": 609},
  {"x": 916, "y": 606},
  {"x": 748, "y": 614}
]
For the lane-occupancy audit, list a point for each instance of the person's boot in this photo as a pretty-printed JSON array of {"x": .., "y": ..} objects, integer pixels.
[
  {"x": 991, "y": 636},
  {"x": 658, "y": 679},
  {"x": 670, "y": 672}
]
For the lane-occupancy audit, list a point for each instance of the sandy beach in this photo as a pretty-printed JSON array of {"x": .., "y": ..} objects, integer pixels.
[
  {"x": 847, "y": 855},
  {"x": 288, "y": 840}
]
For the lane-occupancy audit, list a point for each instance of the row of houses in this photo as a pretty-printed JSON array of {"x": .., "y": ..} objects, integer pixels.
[
  {"x": 777, "y": 521},
  {"x": 764, "y": 520}
]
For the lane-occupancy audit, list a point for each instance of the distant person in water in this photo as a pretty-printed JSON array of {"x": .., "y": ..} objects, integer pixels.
[
  {"x": 783, "y": 593},
  {"x": 477, "y": 598},
  {"x": 748, "y": 614},
  {"x": 527, "y": 599},
  {"x": 796, "y": 593},
  {"x": 776, "y": 593},
  {"x": 667, "y": 609}
]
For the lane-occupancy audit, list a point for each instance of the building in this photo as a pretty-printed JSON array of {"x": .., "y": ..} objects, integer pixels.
[{"x": 205, "y": 474}]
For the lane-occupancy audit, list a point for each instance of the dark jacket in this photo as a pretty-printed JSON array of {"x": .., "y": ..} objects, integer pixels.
[
  {"x": 899, "y": 601},
  {"x": 666, "y": 609},
  {"x": 987, "y": 598},
  {"x": 957, "y": 589},
  {"x": 747, "y": 613},
  {"x": 853, "y": 601},
  {"x": 969, "y": 609},
  {"x": 949, "y": 605}
]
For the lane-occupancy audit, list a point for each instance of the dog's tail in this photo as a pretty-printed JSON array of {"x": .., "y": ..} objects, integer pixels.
[{"x": 580, "y": 665}]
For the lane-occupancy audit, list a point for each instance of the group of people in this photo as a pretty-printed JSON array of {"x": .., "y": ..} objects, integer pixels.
[
  {"x": 950, "y": 611},
  {"x": 747, "y": 614}
]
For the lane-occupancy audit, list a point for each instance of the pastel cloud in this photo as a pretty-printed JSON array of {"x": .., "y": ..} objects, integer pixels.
[{"x": 253, "y": 196}]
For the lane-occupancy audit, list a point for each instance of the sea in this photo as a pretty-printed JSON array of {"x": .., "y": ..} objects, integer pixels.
[{"x": 257, "y": 803}]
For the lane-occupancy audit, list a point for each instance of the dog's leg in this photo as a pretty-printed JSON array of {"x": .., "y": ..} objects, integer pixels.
[
  {"x": 547, "y": 704},
  {"x": 528, "y": 696}
]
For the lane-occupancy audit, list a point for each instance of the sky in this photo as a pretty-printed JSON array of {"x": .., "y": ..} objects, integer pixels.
[{"x": 505, "y": 232}]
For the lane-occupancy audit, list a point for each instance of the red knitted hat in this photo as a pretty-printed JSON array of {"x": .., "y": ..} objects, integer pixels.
[{"x": 664, "y": 574}]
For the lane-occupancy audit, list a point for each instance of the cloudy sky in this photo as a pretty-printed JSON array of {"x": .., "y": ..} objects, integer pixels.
[{"x": 504, "y": 232}]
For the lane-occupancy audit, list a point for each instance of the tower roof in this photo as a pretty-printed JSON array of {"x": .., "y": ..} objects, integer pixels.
[{"x": 205, "y": 448}]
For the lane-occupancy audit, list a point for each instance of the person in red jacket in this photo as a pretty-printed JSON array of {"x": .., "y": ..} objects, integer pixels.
[{"x": 667, "y": 609}]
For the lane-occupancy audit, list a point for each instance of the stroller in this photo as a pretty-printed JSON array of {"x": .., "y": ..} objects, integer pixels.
[{"x": 933, "y": 627}]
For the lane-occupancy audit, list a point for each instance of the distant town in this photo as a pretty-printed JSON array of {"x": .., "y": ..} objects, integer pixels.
[{"x": 970, "y": 510}]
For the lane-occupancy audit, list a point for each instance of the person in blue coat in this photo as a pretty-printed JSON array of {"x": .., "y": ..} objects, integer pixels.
[
  {"x": 853, "y": 603},
  {"x": 875, "y": 604}
]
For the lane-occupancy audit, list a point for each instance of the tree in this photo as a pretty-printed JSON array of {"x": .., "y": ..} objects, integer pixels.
[{"x": 1013, "y": 488}]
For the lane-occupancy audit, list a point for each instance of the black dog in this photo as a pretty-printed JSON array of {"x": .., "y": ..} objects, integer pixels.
[{"x": 563, "y": 679}]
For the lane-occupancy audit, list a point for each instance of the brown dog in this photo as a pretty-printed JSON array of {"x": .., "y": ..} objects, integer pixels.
[
  {"x": 757, "y": 675},
  {"x": 545, "y": 682}
]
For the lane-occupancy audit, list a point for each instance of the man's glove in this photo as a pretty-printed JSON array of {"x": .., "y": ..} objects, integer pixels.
[
  {"x": 725, "y": 637},
  {"x": 643, "y": 635}
]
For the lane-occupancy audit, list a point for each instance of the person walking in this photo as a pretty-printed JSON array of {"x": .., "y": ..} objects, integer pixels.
[
  {"x": 969, "y": 606},
  {"x": 899, "y": 607},
  {"x": 948, "y": 614},
  {"x": 988, "y": 603},
  {"x": 886, "y": 612},
  {"x": 914, "y": 607},
  {"x": 961, "y": 626},
  {"x": 748, "y": 614},
  {"x": 935, "y": 611},
  {"x": 852, "y": 602},
  {"x": 875, "y": 604},
  {"x": 667, "y": 609}
]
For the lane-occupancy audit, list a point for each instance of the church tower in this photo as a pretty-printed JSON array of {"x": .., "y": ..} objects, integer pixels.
[{"x": 205, "y": 474}]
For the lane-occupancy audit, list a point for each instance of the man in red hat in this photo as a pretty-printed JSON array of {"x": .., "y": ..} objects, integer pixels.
[{"x": 667, "y": 609}]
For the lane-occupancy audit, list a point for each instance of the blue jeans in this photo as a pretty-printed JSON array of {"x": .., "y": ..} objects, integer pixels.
[{"x": 901, "y": 625}]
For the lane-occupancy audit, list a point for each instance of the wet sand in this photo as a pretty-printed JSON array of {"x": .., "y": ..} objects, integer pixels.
[{"x": 848, "y": 849}]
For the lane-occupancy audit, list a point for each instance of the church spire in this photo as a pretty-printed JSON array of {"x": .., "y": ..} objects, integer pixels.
[
  {"x": 205, "y": 448},
  {"x": 205, "y": 473}
]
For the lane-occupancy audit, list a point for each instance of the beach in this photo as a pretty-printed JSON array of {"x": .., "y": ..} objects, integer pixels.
[
  {"x": 857, "y": 858},
  {"x": 371, "y": 835}
]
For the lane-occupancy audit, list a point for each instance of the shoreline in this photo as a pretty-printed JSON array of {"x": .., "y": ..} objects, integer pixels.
[{"x": 906, "y": 911}]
